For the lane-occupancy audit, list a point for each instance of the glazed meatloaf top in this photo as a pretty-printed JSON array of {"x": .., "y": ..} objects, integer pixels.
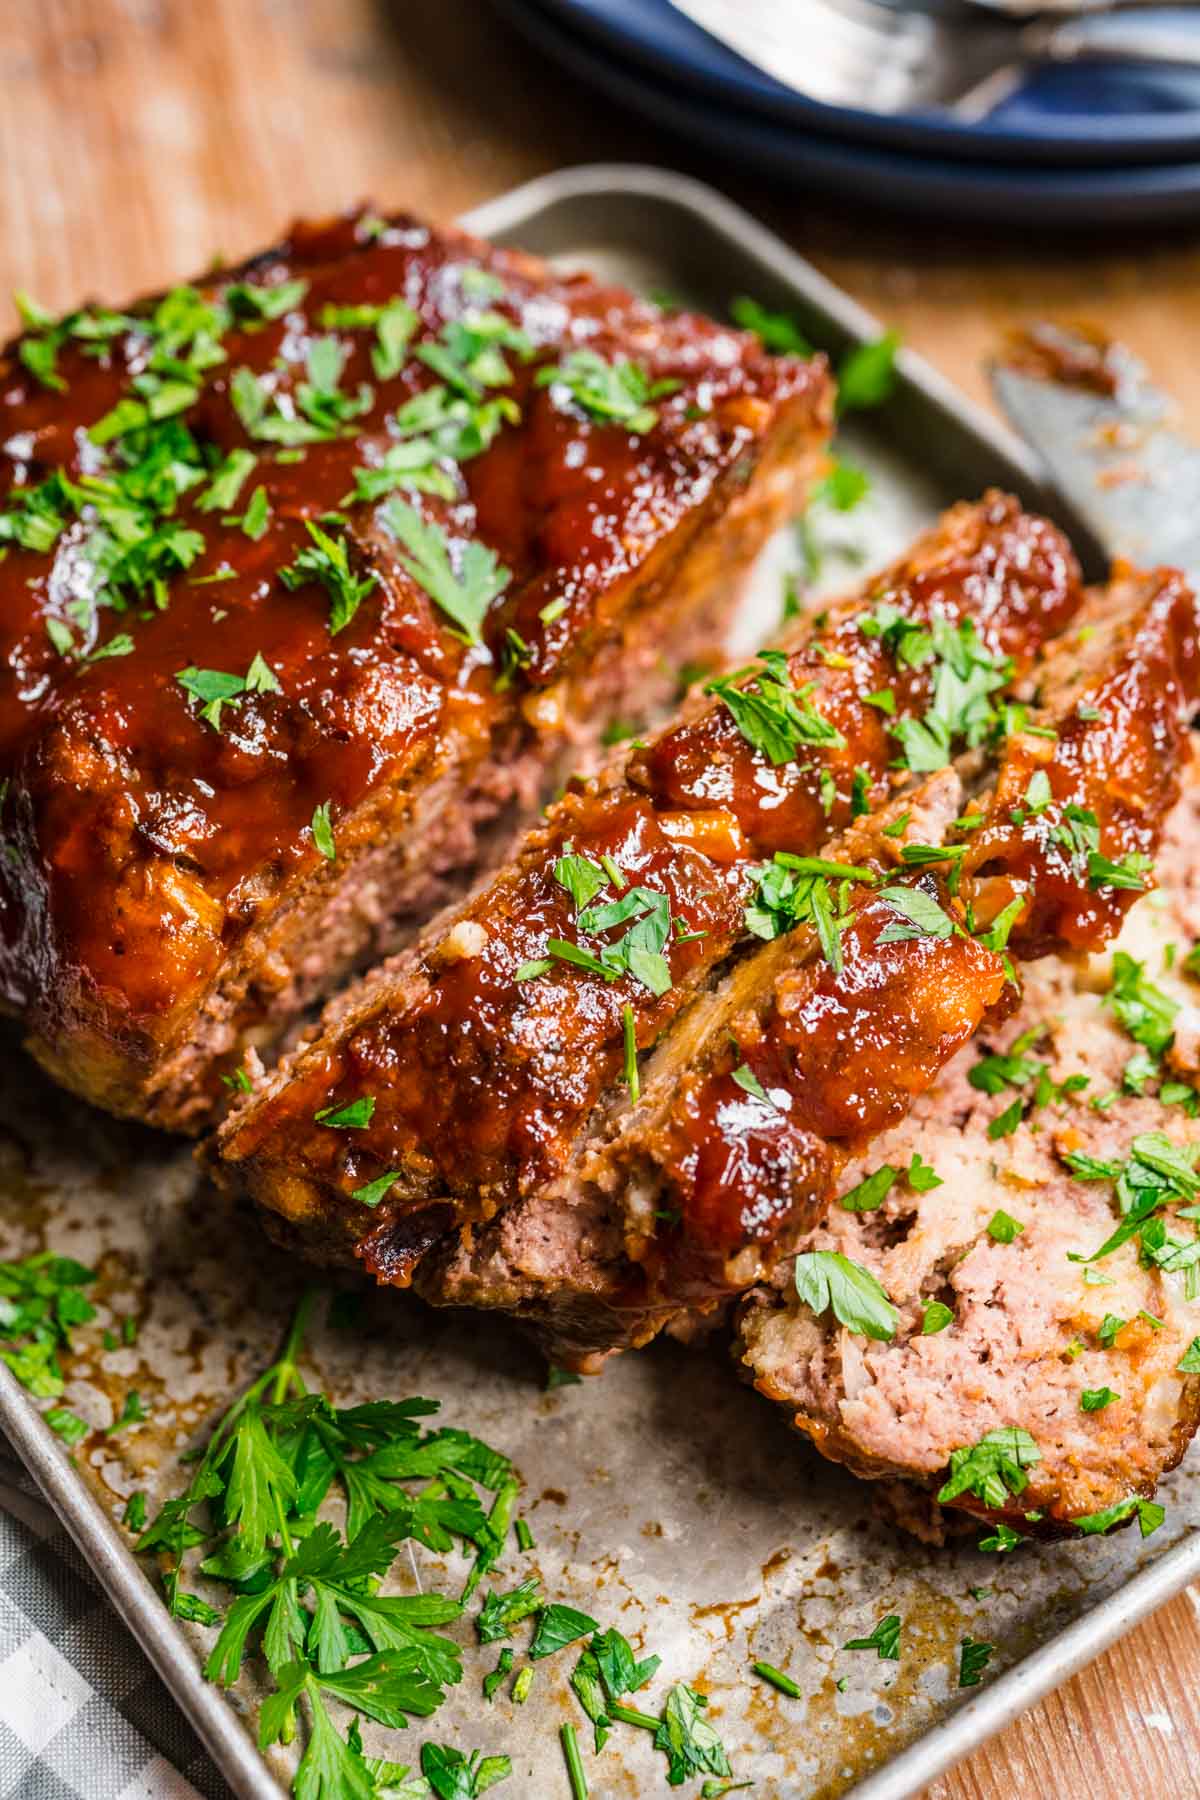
[
  {"x": 283, "y": 547},
  {"x": 468, "y": 1074},
  {"x": 1030, "y": 1227}
]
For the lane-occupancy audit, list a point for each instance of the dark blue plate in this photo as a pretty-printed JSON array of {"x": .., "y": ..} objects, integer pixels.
[
  {"x": 1005, "y": 193},
  {"x": 1094, "y": 113}
]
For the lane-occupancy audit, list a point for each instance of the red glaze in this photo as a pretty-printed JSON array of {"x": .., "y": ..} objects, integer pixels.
[
  {"x": 1013, "y": 577},
  {"x": 848, "y": 1053},
  {"x": 481, "y": 1083},
  {"x": 1119, "y": 763},
  {"x": 841, "y": 1056},
  {"x": 142, "y": 844}
]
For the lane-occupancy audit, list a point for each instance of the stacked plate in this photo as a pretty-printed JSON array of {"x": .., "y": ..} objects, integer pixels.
[{"x": 1100, "y": 141}]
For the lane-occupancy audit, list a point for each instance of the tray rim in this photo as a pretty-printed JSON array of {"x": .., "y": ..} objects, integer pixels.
[{"x": 95, "y": 1533}]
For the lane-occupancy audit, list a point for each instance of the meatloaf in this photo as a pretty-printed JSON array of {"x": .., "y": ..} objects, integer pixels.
[
  {"x": 472, "y": 1072},
  {"x": 985, "y": 1218},
  {"x": 311, "y": 569},
  {"x": 750, "y": 1106}
]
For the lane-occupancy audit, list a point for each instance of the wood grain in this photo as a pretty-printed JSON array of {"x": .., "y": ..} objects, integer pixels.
[{"x": 138, "y": 136}]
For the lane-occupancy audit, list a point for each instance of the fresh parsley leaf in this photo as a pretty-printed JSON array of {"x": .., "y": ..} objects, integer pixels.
[
  {"x": 616, "y": 392},
  {"x": 777, "y": 331},
  {"x": 935, "y": 1316},
  {"x": 375, "y": 1191},
  {"x": 1002, "y": 1227},
  {"x": 557, "y": 1627},
  {"x": 1002, "y": 1539},
  {"x": 921, "y": 1177},
  {"x": 1189, "y": 1362},
  {"x": 871, "y": 1193},
  {"x": 884, "y": 1640},
  {"x": 1150, "y": 1516},
  {"x": 463, "y": 594},
  {"x": 993, "y": 1469},
  {"x": 1096, "y": 1399},
  {"x": 774, "y": 717},
  {"x": 825, "y": 1279},
  {"x": 691, "y": 1745},
  {"x": 322, "y": 832},
  {"x": 1146, "y": 1012},
  {"x": 501, "y": 1612},
  {"x": 867, "y": 376},
  {"x": 974, "y": 1657},
  {"x": 356, "y": 1115},
  {"x": 327, "y": 561},
  {"x": 920, "y": 915}
]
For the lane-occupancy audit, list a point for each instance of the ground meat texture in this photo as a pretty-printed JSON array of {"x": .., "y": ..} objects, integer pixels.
[
  {"x": 1028, "y": 1335},
  {"x": 167, "y": 893},
  {"x": 485, "y": 1080},
  {"x": 702, "y": 1183}
]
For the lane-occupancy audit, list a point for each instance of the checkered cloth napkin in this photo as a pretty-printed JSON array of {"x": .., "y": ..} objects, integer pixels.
[{"x": 83, "y": 1716}]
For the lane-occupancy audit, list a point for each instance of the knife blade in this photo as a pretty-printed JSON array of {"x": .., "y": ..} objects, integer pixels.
[{"x": 1107, "y": 437}]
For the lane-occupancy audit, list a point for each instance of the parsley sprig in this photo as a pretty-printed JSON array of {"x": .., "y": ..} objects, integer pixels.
[
  {"x": 774, "y": 717},
  {"x": 463, "y": 585}
]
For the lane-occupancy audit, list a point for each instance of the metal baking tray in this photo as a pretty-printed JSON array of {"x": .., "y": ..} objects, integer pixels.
[{"x": 664, "y": 1497}]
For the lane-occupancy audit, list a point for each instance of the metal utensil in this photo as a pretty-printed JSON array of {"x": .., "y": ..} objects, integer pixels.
[
  {"x": 1113, "y": 455},
  {"x": 964, "y": 56}
]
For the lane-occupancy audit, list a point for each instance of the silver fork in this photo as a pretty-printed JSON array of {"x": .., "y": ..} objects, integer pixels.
[{"x": 962, "y": 56}]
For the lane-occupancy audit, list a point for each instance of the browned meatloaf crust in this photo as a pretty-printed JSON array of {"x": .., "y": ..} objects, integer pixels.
[
  {"x": 593, "y": 1263},
  {"x": 235, "y": 749},
  {"x": 1031, "y": 1331},
  {"x": 482, "y": 1081}
]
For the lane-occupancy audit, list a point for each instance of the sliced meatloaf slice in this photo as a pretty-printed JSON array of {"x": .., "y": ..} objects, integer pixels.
[
  {"x": 751, "y": 1105},
  {"x": 472, "y": 1072},
  {"x": 311, "y": 569},
  {"x": 984, "y": 1218}
]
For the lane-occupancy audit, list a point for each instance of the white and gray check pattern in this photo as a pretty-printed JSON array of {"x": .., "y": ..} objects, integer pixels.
[{"x": 83, "y": 1716}]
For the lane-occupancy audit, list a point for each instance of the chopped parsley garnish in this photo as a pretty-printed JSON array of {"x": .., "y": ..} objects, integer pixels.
[
  {"x": 790, "y": 891},
  {"x": 629, "y": 1036},
  {"x": 318, "y": 409},
  {"x": 134, "y": 1411},
  {"x": 1096, "y": 1399},
  {"x": 463, "y": 592},
  {"x": 920, "y": 916},
  {"x": 1150, "y": 1516},
  {"x": 871, "y": 1193},
  {"x": 322, "y": 831},
  {"x": 884, "y": 1640},
  {"x": 502, "y": 1612},
  {"x": 66, "y": 1424},
  {"x": 246, "y": 301},
  {"x": 967, "y": 674},
  {"x": 227, "y": 482},
  {"x": 749, "y": 1083},
  {"x": 217, "y": 688},
  {"x": 774, "y": 717},
  {"x": 1001, "y": 1540},
  {"x": 376, "y": 1190},
  {"x": 827, "y": 1280},
  {"x": 766, "y": 1672},
  {"x": 468, "y": 356},
  {"x": 1156, "y": 1173},
  {"x": 616, "y": 393},
  {"x": 356, "y": 1115},
  {"x": 690, "y": 1744},
  {"x": 777, "y": 331},
  {"x": 993, "y": 1469},
  {"x": 974, "y": 1657},
  {"x": 1130, "y": 872},
  {"x": 1189, "y": 1362},
  {"x": 1006, "y": 1122},
  {"x": 935, "y": 1316},
  {"x": 134, "y": 1516},
  {"x": 1002, "y": 1227},
  {"x": 557, "y": 1627},
  {"x": 327, "y": 561},
  {"x": 867, "y": 376},
  {"x": 921, "y": 1177}
]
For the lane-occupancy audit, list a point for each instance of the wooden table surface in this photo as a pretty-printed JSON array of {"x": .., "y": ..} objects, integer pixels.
[{"x": 139, "y": 136}]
